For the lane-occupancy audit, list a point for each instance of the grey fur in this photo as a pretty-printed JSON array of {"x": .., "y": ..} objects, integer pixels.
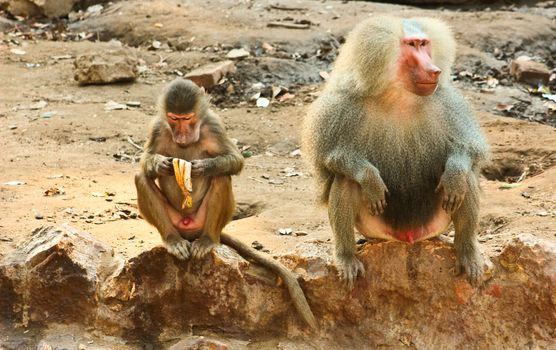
[{"x": 403, "y": 169}]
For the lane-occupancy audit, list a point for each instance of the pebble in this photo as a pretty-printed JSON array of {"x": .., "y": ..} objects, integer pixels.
[
  {"x": 133, "y": 103},
  {"x": 18, "y": 52},
  {"x": 257, "y": 245},
  {"x": 47, "y": 115},
  {"x": 237, "y": 53},
  {"x": 263, "y": 102},
  {"x": 209, "y": 75},
  {"x": 285, "y": 231}
]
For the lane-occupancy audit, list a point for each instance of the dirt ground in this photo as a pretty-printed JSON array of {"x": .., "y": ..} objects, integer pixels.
[{"x": 84, "y": 151}]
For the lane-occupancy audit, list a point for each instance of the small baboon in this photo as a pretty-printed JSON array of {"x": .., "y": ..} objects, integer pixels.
[
  {"x": 394, "y": 146},
  {"x": 186, "y": 128}
]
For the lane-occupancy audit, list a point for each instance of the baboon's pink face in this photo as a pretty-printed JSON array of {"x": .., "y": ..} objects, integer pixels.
[
  {"x": 415, "y": 67},
  {"x": 185, "y": 128}
]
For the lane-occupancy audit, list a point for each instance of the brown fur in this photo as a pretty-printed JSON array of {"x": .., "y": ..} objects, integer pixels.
[{"x": 214, "y": 158}]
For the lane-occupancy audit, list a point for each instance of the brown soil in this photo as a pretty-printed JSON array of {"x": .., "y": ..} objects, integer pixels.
[{"x": 74, "y": 150}]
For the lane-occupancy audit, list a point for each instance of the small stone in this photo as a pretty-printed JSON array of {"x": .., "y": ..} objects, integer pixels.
[
  {"x": 525, "y": 70},
  {"x": 526, "y": 194},
  {"x": 105, "y": 68},
  {"x": 18, "y": 52},
  {"x": 47, "y": 115},
  {"x": 265, "y": 176},
  {"x": 12, "y": 127},
  {"x": 156, "y": 45},
  {"x": 14, "y": 183},
  {"x": 285, "y": 231},
  {"x": 276, "y": 90},
  {"x": 133, "y": 104},
  {"x": 286, "y": 97},
  {"x": 257, "y": 245},
  {"x": 112, "y": 105},
  {"x": 238, "y": 53},
  {"x": 267, "y": 47},
  {"x": 95, "y": 9},
  {"x": 295, "y": 153},
  {"x": 301, "y": 233},
  {"x": 263, "y": 102},
  {"x": 38, "y": 105},
  {"x": 209, "y": 75},
  {"x": 247, "y": 154},
  {"x": 38, "y": 215},
  {"x": 290, "y": 172}
]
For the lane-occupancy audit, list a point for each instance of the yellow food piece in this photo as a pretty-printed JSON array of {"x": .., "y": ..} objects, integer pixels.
[
  {"x": 177, "y": 173},
  {"x": 187, "y": 177},
  {"x": 182, "y": 173}
]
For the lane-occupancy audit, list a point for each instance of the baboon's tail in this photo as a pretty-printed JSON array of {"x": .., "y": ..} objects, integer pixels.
[{"x": 289, "y": 278}]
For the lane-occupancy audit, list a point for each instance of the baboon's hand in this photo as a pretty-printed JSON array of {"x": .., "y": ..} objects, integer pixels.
[
  {"x": 163, "y": 165},
  {"x": 374, "y": 191},
  {"x": 453, "y": 185},
  {"x": 201, "y": 167},
  {"x": 349, "y": 268},
  {"x": 471, "y": 263},
  {"x": 177, "y": 246}
]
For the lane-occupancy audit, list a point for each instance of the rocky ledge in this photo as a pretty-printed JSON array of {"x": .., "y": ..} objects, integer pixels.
[{"x": 408, "y": 296}]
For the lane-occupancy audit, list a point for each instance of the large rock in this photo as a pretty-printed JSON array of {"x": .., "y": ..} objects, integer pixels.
[
  {"x": 525, "y": 70},
  {"x": 408, "y": 294},
  {"x": 35, "y": 8},
  {"x": 105, "y": 68},
  {"x": 156, "y": 293},
  {"x": 210, "y": 74},
  {"x": 53, "y": 277}
]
